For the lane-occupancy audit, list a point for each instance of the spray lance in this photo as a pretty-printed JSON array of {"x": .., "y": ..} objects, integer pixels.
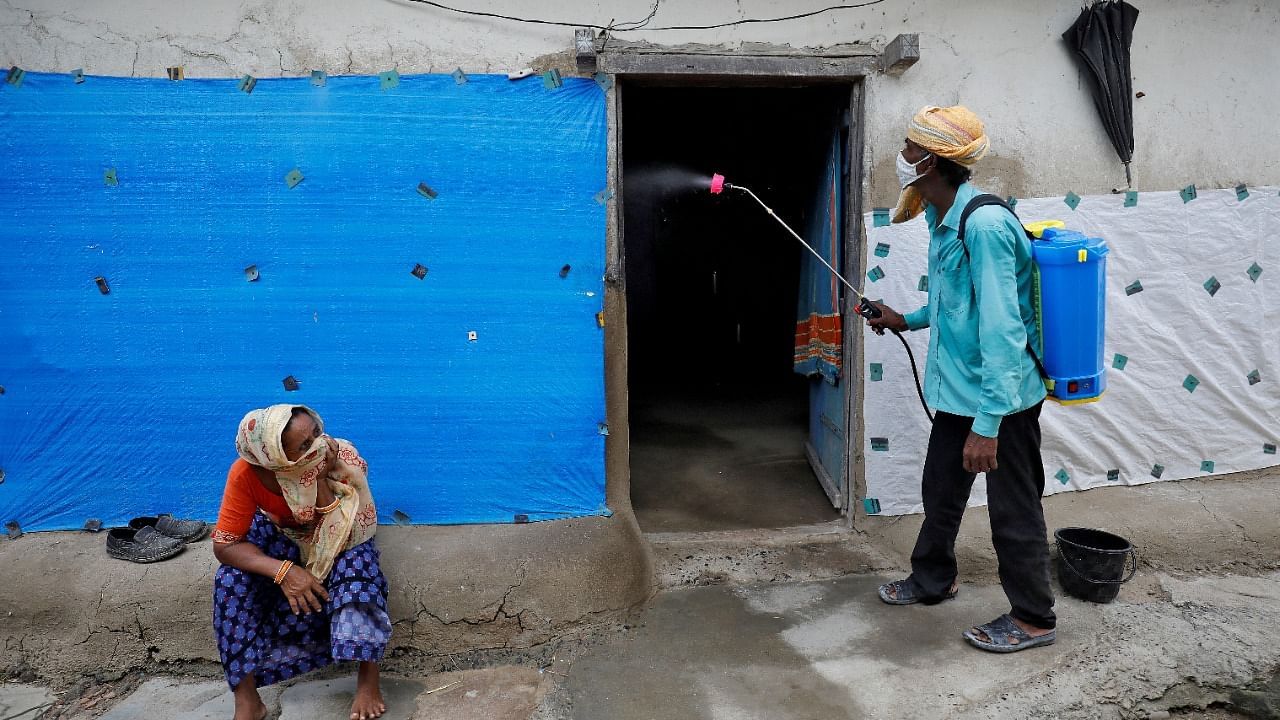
[{"x": 865, "y": 307}]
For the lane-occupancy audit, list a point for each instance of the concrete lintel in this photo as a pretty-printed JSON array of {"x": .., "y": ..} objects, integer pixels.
[
  {"x": 901, "y": 53},
  {"x": 695, "y": 64}
]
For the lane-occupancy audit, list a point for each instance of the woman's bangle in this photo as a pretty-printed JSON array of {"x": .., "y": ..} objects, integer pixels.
[
  {"x": 284, "y": 570},
  {"x": 330, "y": 507}
]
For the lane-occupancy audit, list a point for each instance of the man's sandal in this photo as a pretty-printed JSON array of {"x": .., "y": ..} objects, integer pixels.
[
  {"x": 1004, "y": 636},
  {"x": 907, "y": 592}
]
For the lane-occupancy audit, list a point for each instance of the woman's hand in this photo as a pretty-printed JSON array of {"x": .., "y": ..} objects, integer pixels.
[{"x": 303, "y": 591}]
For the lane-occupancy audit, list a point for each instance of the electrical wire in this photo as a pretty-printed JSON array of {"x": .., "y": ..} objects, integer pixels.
[
  {"x": 639, "y": 24},
  {"x": 749, "y": 21}
]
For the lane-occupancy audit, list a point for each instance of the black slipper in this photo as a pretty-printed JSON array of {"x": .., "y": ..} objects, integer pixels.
[
  {"x": 142, "y": 546},
  {"x": 165, "y": 524},
  {"x": 907, "y": 592}
]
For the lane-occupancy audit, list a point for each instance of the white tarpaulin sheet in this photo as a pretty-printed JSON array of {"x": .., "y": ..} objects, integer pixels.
[{"x": 1148, "y": 426}]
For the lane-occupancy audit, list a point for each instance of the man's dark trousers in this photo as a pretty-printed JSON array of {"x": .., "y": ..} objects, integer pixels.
[{"x": 1013, "y": 502}]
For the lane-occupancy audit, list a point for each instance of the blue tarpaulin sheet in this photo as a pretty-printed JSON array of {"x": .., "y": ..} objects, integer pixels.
[{"x": 126, "y": 403}]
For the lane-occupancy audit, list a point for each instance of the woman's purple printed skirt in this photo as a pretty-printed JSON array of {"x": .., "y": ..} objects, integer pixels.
[{"x": 259, "y": 635}]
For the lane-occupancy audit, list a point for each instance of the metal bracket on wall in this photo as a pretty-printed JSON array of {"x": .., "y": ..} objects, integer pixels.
[
  {"x": 584, "y": 45},
  {"x": 901, "y": 53}
]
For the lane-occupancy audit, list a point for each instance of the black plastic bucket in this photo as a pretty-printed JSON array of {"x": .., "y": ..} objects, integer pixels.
[{"x": 1092, "y": 563}]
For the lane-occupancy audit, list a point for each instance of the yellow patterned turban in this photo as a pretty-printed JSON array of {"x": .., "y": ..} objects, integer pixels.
[{"x": 953, "y": 133}]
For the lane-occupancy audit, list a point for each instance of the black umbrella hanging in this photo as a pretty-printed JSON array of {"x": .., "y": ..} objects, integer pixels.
[{"x": 1100, "y": 40}]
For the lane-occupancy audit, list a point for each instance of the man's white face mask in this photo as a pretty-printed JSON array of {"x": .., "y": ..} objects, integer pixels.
[{"x": 907, "y": 171}]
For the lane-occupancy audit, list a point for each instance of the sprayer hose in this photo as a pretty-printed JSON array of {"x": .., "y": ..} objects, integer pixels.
[{"x": 916, "y": 374}]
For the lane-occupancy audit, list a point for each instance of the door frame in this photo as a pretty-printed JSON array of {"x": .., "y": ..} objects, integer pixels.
[{"x": 624, "y": 66}]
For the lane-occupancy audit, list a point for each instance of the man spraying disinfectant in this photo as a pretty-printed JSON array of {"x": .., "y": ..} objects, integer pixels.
[{"x": 987, "y": 394}]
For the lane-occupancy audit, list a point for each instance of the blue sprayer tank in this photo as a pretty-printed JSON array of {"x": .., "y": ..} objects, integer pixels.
[{"x": 1073, "y": 292}]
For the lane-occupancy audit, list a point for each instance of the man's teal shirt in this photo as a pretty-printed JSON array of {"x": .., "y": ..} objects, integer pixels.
[{"x": 981, "y": 314}]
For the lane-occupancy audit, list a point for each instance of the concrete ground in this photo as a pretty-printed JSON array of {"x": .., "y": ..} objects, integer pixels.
[
  {"x": 787, "y": 626},
  {"x": 722, "y": 462},
  {"x": 829, "y": 650}
]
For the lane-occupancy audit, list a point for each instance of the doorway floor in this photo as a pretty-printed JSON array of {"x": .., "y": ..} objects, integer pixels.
[{"x": 710, "y": 462}]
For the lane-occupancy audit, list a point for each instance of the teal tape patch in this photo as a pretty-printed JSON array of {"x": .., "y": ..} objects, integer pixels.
[
  {"x": 871, "y": 505},
  {"x": 880, "y": 217},
  {"x": 1269, "y": 448},
  {"x": 1063, "y": 476},
  {"x": 551, "y": 79},
  {"x": 1191, "y": 383},
  {"x": 1072, "y": 200},
  {"x": 876, "y": 372},
  {"x": 427, "y": 191},
  {"x": 1188, "y": 193},
  {"x": 1212, "y": 286},
  {"x": 604, "y": 196},
  {"x": 876, "y": 273},
  {"x": 388, "y": 80},
  {"x": 291, "y": 384},
  {"x": 1242, "y": 192},
  {"x": 1013, "y": 202},
  {"x": 882, "y": 250},
  {"x": 1254, "y": 271},
  {"x": 1206, "y": 466},
  {"x": 459, "y": 77},
  {"x": 319, "y": 78},
  {"x": 604, "y": 80},
  {"x": 1119, "y": 361},
  {"x": 15, "y": 76},
  {"x": 923, "y": 285},
  {"x": 251, "y": 274},
  {"x": 247, "y": 84},
  {"x": 880, "y": 444},
  {"x": 109, "y": 178},
  {"x": 602, "y": 429},
  {"x": 1131, "y": 198},
  {"x": 1157, "y": 470},
  {"x": 1133, "y": 288},
  {"x": 1255, "y": 377},
  {"x": 1113, "y": 475},
  {"x": 294, "y": 177},
  {"x": 77, "y": 76}
]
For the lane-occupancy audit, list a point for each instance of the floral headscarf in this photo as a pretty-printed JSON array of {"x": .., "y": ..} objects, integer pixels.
[{"x": 323, "y": 535}]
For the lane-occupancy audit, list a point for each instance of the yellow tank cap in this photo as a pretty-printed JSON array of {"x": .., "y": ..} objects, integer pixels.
[{"x": 1037, "y": 228}]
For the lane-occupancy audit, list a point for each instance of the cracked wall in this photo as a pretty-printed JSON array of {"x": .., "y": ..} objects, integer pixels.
[{"x": 1201, "y": 66}]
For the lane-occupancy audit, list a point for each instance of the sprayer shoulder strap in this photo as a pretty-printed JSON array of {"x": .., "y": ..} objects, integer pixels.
[
  {"x": 980, "y": 201},
  {"x": 976, "y": 202}
]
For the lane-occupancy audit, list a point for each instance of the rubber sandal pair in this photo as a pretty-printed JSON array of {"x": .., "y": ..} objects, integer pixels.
[
  {"x": 1004, "y": 636},
  {"x": 908, "y": 592}
]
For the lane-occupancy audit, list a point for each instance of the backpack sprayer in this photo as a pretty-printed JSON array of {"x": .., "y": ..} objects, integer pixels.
[
  {"x": 865, "y": 307},
  {"x": 1069, "y": 294}
]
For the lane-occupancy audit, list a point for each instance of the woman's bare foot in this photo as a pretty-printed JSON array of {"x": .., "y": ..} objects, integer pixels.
[
  {"x": 249, "y": 705},
  {"x": 368, "y": 703}
]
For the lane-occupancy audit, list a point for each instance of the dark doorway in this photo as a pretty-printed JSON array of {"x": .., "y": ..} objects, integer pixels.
[{"x": 719, "y": 416}]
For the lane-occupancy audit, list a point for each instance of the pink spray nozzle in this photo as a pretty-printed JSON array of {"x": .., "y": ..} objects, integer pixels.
[{"x": 717, "y": 184}]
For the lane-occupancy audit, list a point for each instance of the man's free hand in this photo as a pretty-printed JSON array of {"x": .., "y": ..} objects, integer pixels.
[{"x": 979, "y": 453}]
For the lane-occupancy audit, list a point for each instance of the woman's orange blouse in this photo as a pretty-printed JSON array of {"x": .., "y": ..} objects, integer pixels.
[{"x": 244, "y": 496}]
